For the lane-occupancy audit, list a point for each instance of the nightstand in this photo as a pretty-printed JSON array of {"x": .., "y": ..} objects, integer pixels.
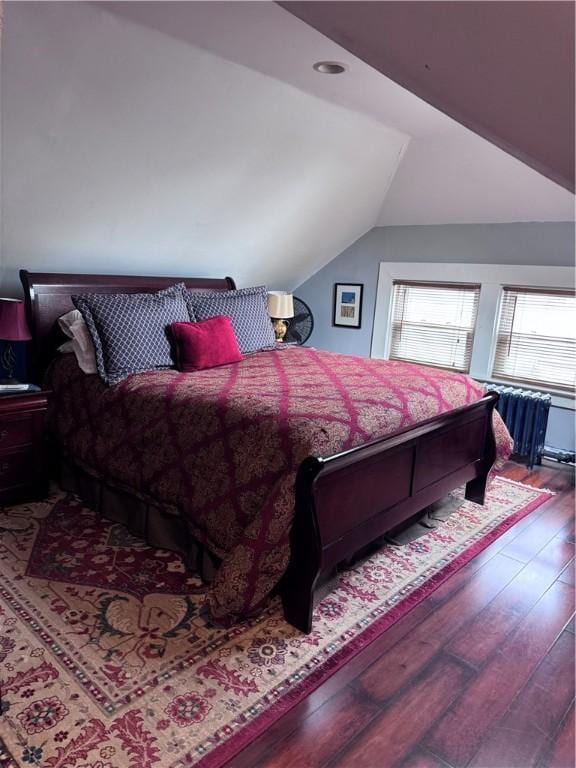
[{"x": 23, "y": 470}]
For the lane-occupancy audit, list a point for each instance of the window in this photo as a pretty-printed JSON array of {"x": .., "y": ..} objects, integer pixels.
[
  {"x": 433, "y": 323},
  {"x": 536, "y": 337}
]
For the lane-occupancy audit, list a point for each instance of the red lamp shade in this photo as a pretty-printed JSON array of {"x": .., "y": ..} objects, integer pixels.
[{"x": 13, "y": 325}]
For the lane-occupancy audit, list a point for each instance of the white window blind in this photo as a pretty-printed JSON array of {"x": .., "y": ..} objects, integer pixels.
[
  {"x": 433, "y": 323},
  {"x": 536, "y": 337}
]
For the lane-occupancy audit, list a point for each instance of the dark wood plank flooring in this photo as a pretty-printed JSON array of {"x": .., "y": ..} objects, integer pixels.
[{"x": 479, "y": 674}]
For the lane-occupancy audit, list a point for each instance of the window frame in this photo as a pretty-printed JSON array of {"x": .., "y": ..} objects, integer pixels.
[
  {"x": 449, "y": 285},
  {"x": 523, "y": 382},
  {"x": 492, "y": 278}
]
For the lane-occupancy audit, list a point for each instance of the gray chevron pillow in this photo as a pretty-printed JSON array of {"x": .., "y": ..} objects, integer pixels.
[
  {"x": 130, "y": 331},
  {"x": 246, "y": 309}
]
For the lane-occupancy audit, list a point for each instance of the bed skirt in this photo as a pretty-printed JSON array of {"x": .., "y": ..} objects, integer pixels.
[{"x": 160, "y": 526}]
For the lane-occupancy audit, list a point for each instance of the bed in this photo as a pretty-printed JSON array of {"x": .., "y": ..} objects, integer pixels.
[{"x": 314, "y": 481}]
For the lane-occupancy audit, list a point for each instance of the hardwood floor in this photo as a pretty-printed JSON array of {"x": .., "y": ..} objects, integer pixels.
[{"x": 480, "y": 674}]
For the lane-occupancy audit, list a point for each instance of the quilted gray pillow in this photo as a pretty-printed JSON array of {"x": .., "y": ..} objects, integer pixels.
[
  {"x": 246, "y": 309},
  {"x": 130, "y": 330}
]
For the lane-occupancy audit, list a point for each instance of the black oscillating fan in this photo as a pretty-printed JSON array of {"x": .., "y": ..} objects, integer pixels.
[{"x": 301, "y": 325}]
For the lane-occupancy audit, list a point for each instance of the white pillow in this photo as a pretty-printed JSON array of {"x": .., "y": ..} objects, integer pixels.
[
  {"x": 73, "y": 325},
  {"x": 65, "y": 321}
]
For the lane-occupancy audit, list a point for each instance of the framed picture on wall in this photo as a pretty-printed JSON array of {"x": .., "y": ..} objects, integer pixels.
[{"x": 348, "y": 305}]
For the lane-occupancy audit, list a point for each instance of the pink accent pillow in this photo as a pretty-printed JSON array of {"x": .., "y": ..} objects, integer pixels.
[{"x": 205, "y": 344}]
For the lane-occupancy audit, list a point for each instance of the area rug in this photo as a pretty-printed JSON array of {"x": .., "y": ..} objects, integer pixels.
[{"x": 106, "y": 660}]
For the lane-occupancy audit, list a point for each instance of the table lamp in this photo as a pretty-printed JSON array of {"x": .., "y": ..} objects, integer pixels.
[
  {"x": 13, "y": 327},
  {"x": 280, "y": 309}
]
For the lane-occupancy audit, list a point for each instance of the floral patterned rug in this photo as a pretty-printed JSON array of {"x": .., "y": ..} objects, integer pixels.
[{"x": 106, "y": 660}]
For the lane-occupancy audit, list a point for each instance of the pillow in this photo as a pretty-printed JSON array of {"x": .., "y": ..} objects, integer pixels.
[
  {"x": 81, "y": 344},
  {"x": 130, "y": 331},
  {"x": 205, "y": 344},
  {"x": 67, "y": 321},
  {"x": 247, "y": 310}
]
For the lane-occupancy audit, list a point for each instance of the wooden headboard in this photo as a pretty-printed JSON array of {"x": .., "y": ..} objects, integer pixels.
[{"x": 48, "y": 296}]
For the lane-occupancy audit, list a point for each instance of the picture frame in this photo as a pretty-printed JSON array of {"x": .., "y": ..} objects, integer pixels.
[{"x": 347, "y": 311}]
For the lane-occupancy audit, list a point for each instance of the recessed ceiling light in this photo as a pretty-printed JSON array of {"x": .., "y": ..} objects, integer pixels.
[{"x": 329, "y": 67}]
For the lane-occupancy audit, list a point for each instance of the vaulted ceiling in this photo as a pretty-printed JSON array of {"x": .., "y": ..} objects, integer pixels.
[
  {"x": 195, "y": 138},
  {"x": 503, "y": 69}
]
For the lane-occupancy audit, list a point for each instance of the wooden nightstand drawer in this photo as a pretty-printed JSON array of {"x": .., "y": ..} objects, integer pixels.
[
  {"x": 16, "y": 467},
  {"x": 17, "y": 429},
  {"x": 23, "y": 467}
]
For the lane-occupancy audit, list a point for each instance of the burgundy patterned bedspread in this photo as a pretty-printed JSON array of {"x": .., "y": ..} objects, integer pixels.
[{"x": 224, "y": 444}]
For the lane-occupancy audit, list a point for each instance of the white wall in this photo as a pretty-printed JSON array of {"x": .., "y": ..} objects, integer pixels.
[{"x": 125, "y": 150}]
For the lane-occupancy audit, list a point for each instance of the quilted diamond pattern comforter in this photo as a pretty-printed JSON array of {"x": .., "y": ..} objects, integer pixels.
[{"x": 223, "y": 445}]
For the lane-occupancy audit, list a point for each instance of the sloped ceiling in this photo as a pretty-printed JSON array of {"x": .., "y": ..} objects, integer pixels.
[
  {"x": 263, "y": 37},
  {"x": 464, "y": 179},
  {"x": 195, "y": 138},
  {"x": 448, "y": 174},
  {"x": 126, "y": 150},
  {"x": 503, "y": 69}
]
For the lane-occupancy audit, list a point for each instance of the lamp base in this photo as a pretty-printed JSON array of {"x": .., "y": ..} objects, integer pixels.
[
  {"x": 9, "y": 381},
  {"x": 280, "y": 328}
]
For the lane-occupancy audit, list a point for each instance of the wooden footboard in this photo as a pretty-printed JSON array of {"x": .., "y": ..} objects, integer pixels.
[{"x": 346, "y": 501}]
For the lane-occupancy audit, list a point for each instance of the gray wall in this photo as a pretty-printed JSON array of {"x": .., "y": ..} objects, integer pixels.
[{"x": 531, "y": 243}]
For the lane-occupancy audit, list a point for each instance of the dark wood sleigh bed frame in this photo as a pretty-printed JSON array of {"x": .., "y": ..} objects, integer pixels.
[{"x": 342, "y": 502}]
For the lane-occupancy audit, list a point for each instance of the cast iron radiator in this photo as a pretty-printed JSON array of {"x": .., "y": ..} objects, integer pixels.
[{"x": 525, "y": 414}]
